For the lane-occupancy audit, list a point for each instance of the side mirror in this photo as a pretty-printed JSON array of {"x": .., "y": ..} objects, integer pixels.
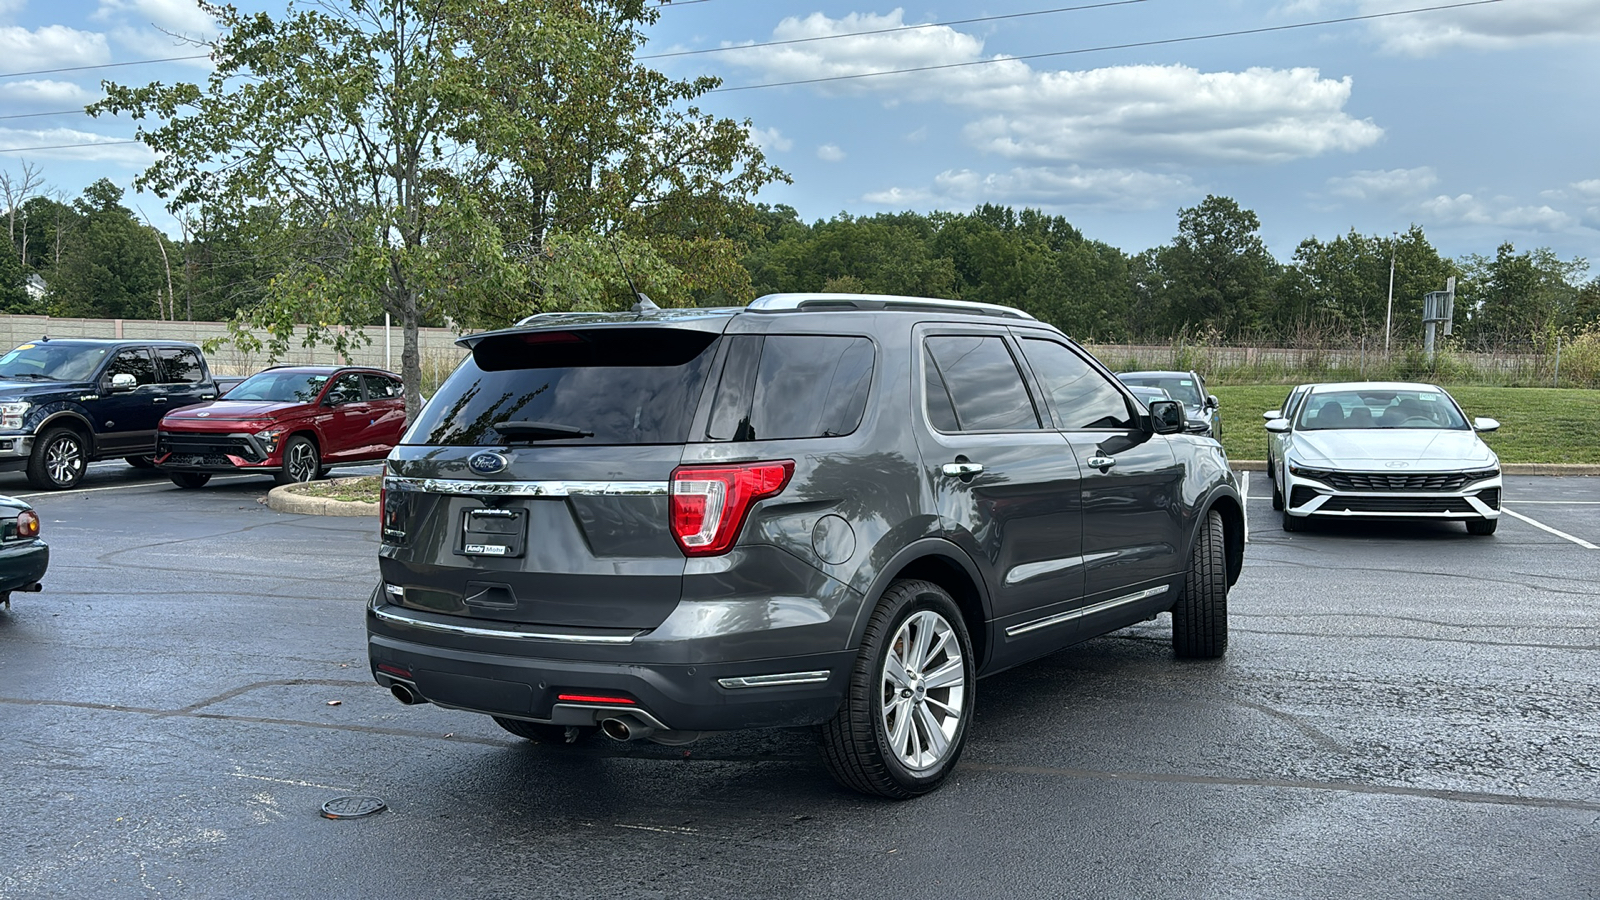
[
  {"x": 1485, "y": 425},
  {"x": 1271, "y": 414},
  {"x": 122, "y": 381},
  {"x": 1278, "y": 426},
  {"x": 1166, "y": 416},
  {"x": 1212, "y": 401}
]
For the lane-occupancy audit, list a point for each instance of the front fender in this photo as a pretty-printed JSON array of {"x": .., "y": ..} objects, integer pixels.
[{"x": 61, "y": 412}]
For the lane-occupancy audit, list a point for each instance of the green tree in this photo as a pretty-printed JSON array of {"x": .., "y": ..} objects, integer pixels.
[
  {"x": 1343, "y": 284},
  {"x": 1521, "y": 296},
  {"x": 480, "y": 161},
  {"x": 1217, "y": 274},
  {"x": 112, "y": 268}
]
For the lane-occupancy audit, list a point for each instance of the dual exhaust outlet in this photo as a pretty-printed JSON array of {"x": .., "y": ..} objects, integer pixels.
[{"x": 619, "y": 728}]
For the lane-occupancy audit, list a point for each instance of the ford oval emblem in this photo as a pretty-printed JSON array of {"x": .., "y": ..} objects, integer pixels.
[{"x": 487, "y": 463}]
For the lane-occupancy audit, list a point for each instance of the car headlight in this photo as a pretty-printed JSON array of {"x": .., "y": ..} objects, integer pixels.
[
  {"x": 1481, "y": 474},
  {"x": 11, "y": 413},
  {"x": 1300, "y": 471},
  {"x": 269, "y": 437}
]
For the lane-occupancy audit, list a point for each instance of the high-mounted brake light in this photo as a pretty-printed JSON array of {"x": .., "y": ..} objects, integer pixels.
[{"x": 709, "y": 503}]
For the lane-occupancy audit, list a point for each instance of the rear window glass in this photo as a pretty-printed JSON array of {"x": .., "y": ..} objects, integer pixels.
[
  {"x": 792, "y": 386},
  {"x": 606, "y": 386}
]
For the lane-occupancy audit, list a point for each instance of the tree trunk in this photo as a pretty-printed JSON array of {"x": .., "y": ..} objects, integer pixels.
[{"x": 411, "y": 355}]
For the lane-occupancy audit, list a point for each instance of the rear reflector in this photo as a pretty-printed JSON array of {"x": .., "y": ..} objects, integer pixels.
[
  {"x": 709, "y": 503},
  {"x": 590, "y": 698},
  {"x": 396, "y": 671}
]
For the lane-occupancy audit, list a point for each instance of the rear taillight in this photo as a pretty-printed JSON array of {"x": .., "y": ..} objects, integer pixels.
[
  {"x": 709, "y": 503},
  {"x": 27, "y": 524}
]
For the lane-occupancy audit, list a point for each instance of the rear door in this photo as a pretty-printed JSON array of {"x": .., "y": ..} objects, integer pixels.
[
  {"x": 1133, "y": 538},
  {"x": 125, "y": 421},
  {"x": 533, "y": 488},
  {"x": 386, "y": 414},
  {"x": 1006, "y": 485}
]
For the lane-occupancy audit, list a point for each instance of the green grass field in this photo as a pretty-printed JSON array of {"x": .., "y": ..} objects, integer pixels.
[{"x": 1537, "y": 425}]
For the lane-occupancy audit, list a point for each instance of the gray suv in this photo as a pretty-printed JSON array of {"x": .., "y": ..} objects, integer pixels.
[{"x": 818, "y": 510}]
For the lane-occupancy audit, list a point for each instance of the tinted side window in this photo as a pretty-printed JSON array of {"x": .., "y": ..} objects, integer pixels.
[
  {"x": 346, "y": 389},
  {"x": 792, "y": 386},
  {"x": 982, "y": 385},
  {"x": 133, "y": 362},
  {"x": 1081, "y": 396},
  {"x": 179, "y": 366},
  {"x": 380, "y": 387}
]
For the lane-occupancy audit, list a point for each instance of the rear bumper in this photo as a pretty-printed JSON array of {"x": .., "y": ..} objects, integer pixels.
[
  {"x": 23, "y": 564},
  {"x": 705, "y": 696}
]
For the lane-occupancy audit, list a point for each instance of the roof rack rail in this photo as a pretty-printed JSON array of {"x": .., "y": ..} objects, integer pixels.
[{"x": 801, "y": 302}]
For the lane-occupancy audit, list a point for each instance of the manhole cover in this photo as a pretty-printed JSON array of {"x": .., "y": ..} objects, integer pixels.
[{"x": 352, "y": 807}]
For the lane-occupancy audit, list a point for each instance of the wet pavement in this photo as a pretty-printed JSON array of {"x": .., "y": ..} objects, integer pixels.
[{"x": 1404, "y": 711}]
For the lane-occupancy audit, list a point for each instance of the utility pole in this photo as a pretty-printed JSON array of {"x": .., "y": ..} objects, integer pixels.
[{"x": 1388, "y": 317}]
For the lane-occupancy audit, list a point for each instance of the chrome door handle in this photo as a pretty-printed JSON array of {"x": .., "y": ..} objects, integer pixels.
[
  {"x": 1102, "y": 462},
  {"x": 158, "y": 399},
  {"x": 961, "y": 469}
]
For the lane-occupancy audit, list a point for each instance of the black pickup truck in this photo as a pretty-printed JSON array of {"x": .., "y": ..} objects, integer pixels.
[{"x": 67, "y": 403}]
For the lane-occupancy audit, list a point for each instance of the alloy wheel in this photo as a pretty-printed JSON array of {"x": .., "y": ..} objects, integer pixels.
[
  {"x": 923, "y": 690},
  {"x": 63, "y": 460},
  {"x": 302, "y": 464}
]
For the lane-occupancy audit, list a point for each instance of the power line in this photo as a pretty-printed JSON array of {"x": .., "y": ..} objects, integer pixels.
[
  {"x": 134, "y": 62},
  {"x": 66, "y": 146},
  {"x": 1107, "y": 47},
  {"x": 834, "y": 37},
  {"x": 60, "y": 112}
]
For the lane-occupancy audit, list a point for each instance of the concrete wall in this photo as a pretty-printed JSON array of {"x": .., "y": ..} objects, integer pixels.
[{"x": 439, "y": 352}]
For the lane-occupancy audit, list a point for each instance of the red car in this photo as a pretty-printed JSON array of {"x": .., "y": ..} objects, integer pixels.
[{"x": 292, "y": 422}]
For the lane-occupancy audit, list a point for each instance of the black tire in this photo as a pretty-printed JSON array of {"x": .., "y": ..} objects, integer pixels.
[
  {"x": 544, "y": 733},
  {"x": 1482, "y": 526},
  {"x": 858, "y": 743},
  {"x": 190, "y": 479},
  {"x": 1277, "y": 497},
  {"x": 60, "y": 457},
  {"x": 301, "y": 461},
  {"x": 1200, "y": 617},
  {"x": 1293, "y": 523},
  {"x": 140, "y": 462}
]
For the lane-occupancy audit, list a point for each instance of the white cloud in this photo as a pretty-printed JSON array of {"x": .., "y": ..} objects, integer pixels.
[
  {"x": 1161, "y": 114},
  {"x": 44, "y": 95},
  {"x": 1050, "y": 188},
  {"x": 1496, "y": 26},
  {"x": 1465, "y": 209},
  {"x": 1384, "y": 184},
  {"x": 830, "y": 153},
  {"x": 181, "y": 17},
  {"x": 98, "y": 147},
  {"x": 1587, "y": 190},
  {"x": 51, "y": 47},
  {"x": 918, "y": 136},
  {"x": 770, "y": 139}
]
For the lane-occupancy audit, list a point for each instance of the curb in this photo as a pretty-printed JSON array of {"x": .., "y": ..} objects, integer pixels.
[
  {"x": 1260, "y": 465},
  {"x": 283, "y": 500}
]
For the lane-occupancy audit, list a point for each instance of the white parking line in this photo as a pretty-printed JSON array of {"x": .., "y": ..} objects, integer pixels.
[
  {"x": 1560, "y": 534},
  {"x": 1559, "y": 502},
  {"x": 1244, "y": 494},
  {"x": 121, "y": 487}
]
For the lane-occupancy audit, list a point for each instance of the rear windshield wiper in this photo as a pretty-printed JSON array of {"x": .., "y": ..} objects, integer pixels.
[{"x": 517, "y": 429}]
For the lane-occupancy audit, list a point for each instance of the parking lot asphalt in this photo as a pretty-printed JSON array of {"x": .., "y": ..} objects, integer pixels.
[{"x": 1404, "y": 711}]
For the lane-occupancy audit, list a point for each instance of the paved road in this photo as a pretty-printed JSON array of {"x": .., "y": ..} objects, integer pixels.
[{"x": 1404, "y": 712}]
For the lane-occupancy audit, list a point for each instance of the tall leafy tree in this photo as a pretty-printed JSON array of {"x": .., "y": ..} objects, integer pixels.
[
  {"x": 1520, "y": 296},
  {"x": 112, "y": 268},
  {"x": 448, "y": 158},
  {"x": 1217, "y": 273}
]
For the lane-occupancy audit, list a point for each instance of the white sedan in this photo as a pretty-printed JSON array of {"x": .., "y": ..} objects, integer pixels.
[{"x": 1383, "y": 450}]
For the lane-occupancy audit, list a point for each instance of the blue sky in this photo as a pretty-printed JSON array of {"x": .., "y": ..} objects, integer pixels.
[{"x": 1476, "y": 123}]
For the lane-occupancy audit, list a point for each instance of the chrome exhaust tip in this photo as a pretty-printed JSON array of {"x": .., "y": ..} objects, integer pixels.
[
  {"x": 405, "y": 693},
  {"x": 625, "y": 729}
]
